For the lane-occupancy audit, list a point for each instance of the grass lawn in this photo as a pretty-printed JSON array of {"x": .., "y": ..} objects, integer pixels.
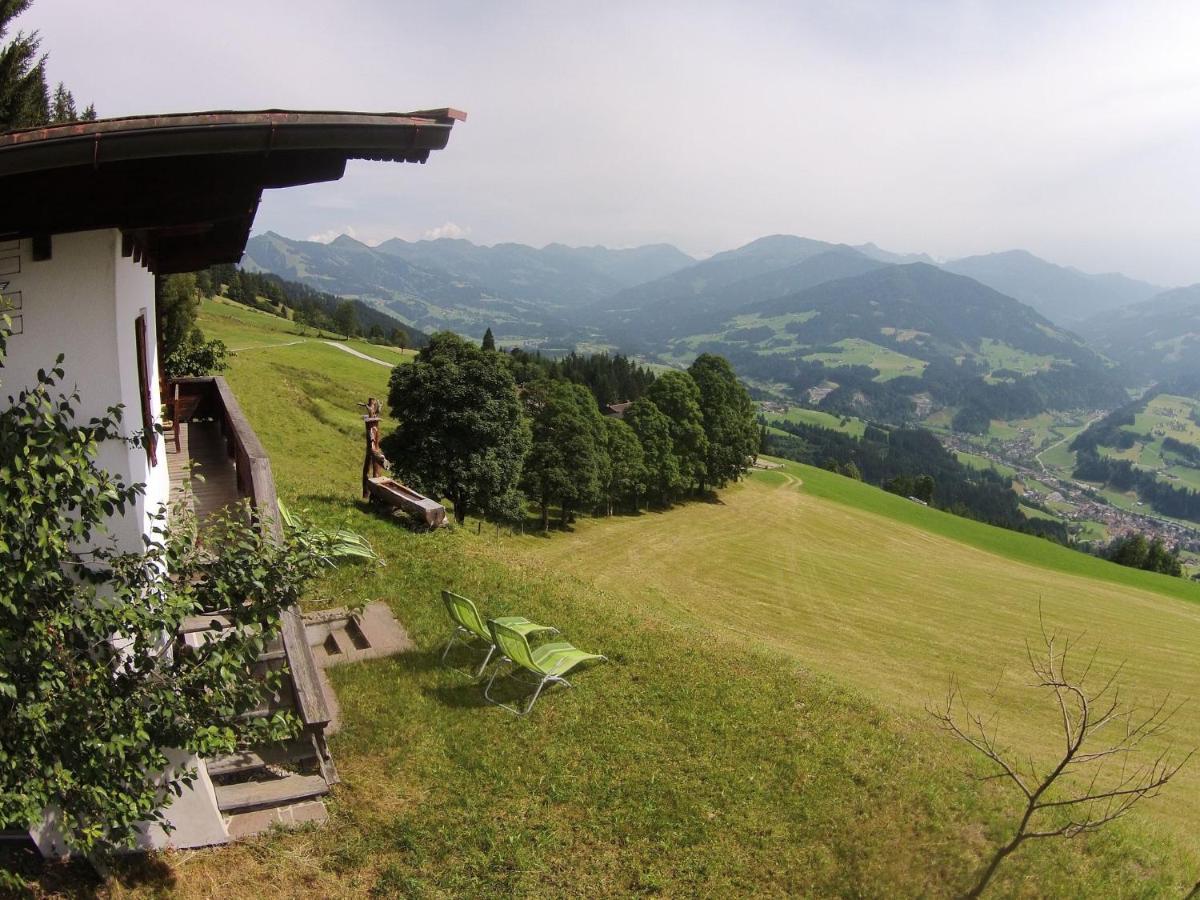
[{"x": 759, "y": 729}]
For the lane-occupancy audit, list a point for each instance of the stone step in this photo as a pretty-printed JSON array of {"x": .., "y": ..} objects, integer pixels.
[
  {"x": 242, "y": 825},
  {"x": 247, "y": 795}
]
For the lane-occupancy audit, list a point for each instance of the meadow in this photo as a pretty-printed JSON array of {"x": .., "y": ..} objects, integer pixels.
[
  {"x": 850, "y": 425},
  {"x": 857, "y": 352},
  {"x": 760, "y": 728}
]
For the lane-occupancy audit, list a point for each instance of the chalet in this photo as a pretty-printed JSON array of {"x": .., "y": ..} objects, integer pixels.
[
  {"x": 617, "y": 410},
  {"x": 91, "y": 213}
]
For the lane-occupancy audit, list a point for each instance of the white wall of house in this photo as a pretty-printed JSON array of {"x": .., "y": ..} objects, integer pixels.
[{"x": 83, "y": 302}]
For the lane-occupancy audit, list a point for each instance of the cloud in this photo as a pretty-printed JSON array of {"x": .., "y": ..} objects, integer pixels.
[
  {"x": 332, "y": 234},
  {"x": 446, "y": 230}
]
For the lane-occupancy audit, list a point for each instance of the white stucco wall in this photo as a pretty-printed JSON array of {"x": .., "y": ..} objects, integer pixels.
[{"x": 83, "y": 302}]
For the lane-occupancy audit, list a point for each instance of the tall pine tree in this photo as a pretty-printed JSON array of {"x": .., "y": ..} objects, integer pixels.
[{"x": 23, "y": 100}]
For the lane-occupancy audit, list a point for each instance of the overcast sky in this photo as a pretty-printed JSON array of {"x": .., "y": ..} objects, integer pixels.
[{"x": 1071, "y": 130}]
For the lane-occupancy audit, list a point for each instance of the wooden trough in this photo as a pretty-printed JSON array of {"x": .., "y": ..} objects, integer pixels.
[{"x": 394, "y": 494}]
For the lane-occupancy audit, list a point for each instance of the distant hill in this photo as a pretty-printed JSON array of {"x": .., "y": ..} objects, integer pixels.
[
  {"x": 556, "y": 273},
  {"x": 887, "y": 256},
  {"x": 1062, "y": 294},
  {"x": 1157, "y": 339},
  {"x": 885, "y": 337},
  {"x": 514, "y": 289},
  {"x": 691, "y": 312},
  {"x": 766, "y": 254}
]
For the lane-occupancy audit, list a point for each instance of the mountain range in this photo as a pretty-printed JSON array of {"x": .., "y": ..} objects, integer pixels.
[
  {"x": 778, "y": 298},
  {"x": 518, "y": 291},
  {"x": 1157, "y": 339}
]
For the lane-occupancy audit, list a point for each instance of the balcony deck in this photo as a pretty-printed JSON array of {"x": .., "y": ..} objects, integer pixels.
[{"x": 202, "y": 452}]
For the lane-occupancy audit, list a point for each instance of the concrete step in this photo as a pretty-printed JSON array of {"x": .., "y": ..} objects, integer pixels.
[{"x": 247, "y": 795}]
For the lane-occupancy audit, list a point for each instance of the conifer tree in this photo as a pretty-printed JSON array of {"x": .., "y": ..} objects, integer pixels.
[
  {"x": 23, "y": 96},
  {"x": 62, "y": 108},
  {"x": 489, "y": 341}
]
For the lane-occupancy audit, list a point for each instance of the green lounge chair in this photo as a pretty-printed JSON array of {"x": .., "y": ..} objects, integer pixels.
[
  {"x": 469, "y": 626},
  {"x": 547, "y": 663}
]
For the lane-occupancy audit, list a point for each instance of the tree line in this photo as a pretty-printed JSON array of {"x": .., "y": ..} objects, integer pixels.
[
  {"x": 611, "y": 379},
  {"x": 912, "y": 462},
  {"x": 494, "y": 432}
]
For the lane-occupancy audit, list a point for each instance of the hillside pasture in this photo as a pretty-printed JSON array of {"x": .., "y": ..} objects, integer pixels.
[
  {"x": 757, "y": 731},
  {"x": 975, "y": 461},
  {"x": 857, "y": 352},
  {"x": 1000, "y": 355},
  {"x": 245, "y": 328},
  {"x": 1164, "y": 416},
  {"x": 849, "y": 580},
  {"x": 850, "y": 425}
]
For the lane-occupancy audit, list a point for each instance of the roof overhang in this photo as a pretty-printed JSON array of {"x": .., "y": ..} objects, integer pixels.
[{"x": 184, "y": 188}]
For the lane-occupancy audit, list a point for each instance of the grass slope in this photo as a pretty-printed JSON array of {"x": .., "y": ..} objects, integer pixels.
[
  {"x": 245, "y": 328},
  {"x": 714, "y": 755},
  {"x": 892, "y": 596}
]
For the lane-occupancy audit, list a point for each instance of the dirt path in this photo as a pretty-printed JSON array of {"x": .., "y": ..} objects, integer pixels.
[
  {"x": 353, "y": 352},
  {"x": 266, "y": 346}
]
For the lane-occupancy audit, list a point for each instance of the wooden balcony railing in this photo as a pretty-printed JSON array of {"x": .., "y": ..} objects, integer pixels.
[{"x": 210, "y": 397}]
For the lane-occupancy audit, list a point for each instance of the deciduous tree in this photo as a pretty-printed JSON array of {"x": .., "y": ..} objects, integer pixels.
[
  {"x": 568, "y": 458},
  {"x": 729, "y": 421},
  {"x": 653, "y": 430},
  {"x": 626, "y": 464},
  {"x": 678, "y": 398},
  {"x": 1096, "y": 777},
  {"x": 345, "y": 318},
  {"x": 461, "y": 432}
]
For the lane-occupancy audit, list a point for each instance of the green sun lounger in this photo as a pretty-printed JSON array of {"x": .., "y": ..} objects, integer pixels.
[
  {"x": 469, "y": 626},
  {"x": 547, "y": 663}
]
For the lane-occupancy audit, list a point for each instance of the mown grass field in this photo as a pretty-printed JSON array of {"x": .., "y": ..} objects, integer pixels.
[
  {"x": 893, "y": 597},
  {"x": 759, "y": 729}
]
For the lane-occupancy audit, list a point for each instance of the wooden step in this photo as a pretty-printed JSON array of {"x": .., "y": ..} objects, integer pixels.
[
  {"x": 299, "y": 753},
  {"x": 235, "y": 764},
  {"x": 273, "y": 792}
]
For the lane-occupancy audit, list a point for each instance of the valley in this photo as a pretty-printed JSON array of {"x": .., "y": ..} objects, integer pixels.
[{"x": 972, "y": 349}]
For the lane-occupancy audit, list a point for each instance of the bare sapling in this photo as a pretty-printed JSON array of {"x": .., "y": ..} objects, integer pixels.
[{"x": 1113, "y": 752}]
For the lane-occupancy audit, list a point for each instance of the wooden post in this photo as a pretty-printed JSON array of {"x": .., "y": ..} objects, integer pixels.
[{"x": 374, "y": 462}]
